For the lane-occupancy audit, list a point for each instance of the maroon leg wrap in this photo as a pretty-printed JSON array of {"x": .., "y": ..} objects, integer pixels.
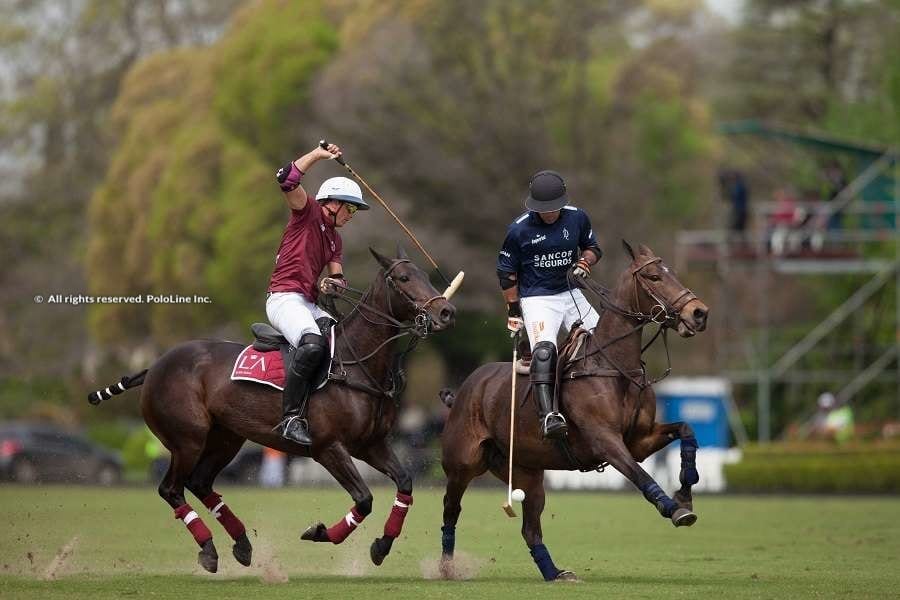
[
  {"x": 194, "y": 523},
  {"x": 338, "y": 532},
  {"x": 223, "y": 515},
  {"x": 394, "y": 523}
]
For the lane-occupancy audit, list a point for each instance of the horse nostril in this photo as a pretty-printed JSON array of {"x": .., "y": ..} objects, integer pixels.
[
  {"x": 446, "y": 314},
  {"x": 699, "y": 315}
]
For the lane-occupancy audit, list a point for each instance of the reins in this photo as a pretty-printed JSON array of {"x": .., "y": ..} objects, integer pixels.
[{"x": 417, "y": 330}]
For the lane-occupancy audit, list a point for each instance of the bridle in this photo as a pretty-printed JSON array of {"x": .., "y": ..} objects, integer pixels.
[
  {"x": 418, "y": 329},
  {"x": 665, "y": 314},
  {"x": 422, "y": 318}
]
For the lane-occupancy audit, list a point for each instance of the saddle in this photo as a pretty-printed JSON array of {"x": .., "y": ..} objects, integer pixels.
[{"x": 567, "y": 354}]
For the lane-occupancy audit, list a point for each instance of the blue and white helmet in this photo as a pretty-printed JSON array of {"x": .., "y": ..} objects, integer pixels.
[{"x": 343, "y": 189}]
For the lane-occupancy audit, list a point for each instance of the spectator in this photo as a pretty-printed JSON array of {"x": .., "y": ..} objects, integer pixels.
[
  {"x": 734, "y": 189},
  {"x": 833, "y": 421},
  {"x": 786, "y": 217},
  {"x": 835, "y": 182},
  {"x": 271, "y": 474}
]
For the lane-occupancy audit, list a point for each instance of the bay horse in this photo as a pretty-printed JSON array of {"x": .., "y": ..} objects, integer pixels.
[
  {"x": 610, "y": 405},
  {"x": 203, "y": 417}
]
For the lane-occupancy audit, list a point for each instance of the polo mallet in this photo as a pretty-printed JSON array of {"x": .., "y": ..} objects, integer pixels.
[
  {"x": 507, "y": 506},
  {"x": 452, "y": 286}
]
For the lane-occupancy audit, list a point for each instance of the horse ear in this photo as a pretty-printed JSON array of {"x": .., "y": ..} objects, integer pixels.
[
  {"x": 401, "y": 252},
  {"x": 628, "y": 249},
  {"x": 384, "y": 261},
  {"x": 645, "y": 250}
]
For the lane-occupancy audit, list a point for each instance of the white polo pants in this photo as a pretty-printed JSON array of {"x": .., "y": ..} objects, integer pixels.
[
  {"x": 544, "y": 315},
  {"x": 293, "y": 315}
]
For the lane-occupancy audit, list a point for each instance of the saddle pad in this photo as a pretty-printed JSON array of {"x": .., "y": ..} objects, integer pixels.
[{"x": 267, "y": 368}]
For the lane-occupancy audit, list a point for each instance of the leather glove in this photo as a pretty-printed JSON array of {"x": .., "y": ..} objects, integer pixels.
[
  {"x": 581, "y": 269},
  {"x": 333, "y": 286},
  {"x": 514, "y": 320}
]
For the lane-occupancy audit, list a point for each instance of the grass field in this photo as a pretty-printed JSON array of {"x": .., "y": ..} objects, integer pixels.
[{"x": 71, "y": 542}]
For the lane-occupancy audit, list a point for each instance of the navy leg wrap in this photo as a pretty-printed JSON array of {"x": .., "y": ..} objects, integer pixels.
[
  {"x": 544, "y": 563},
  {"x": 448, "y": 539},
  {"x": 654, "y": 494},
  {"x": 689, "y": 474}
]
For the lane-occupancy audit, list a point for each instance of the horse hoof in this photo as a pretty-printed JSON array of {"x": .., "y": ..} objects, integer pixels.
[
  {"x": 316, "y": 533},
  {"x": 566, "y": 576},
  {"x": 379, "y": 550},
  {"x": 208, "y": 557},
  {"x": 445, "y": 567},
  {"x": 242, "y": 550},
  {"x": 683, "y": 518}
]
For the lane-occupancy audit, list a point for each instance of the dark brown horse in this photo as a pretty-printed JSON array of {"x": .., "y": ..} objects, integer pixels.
[
  {"x": 610, "y": 406},
  {"x": 203, "y": 417}
]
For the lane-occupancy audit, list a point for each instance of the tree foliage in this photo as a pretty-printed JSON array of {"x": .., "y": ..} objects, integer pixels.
[{"x": 446, "y": 109}]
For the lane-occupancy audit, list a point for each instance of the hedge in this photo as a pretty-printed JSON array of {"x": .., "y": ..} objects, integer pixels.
[{"x": 816, "y": 468}]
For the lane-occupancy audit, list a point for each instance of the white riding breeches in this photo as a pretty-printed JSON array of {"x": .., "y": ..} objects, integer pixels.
[
  {"x": 543, "y": 315},
  {"x": 293, "y": 315}
]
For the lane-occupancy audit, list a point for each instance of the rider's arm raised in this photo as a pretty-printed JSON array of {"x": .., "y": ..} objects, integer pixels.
[{"x": 289, "y": 176}]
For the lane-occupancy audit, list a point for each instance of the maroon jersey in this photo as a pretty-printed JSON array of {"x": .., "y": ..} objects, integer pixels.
[{"x": 309, "y": 243}]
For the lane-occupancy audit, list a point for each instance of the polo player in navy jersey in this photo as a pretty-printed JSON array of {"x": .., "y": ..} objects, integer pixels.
[
  {"x": 310, "y": 244},
  {"x": 540, "y": 247}
]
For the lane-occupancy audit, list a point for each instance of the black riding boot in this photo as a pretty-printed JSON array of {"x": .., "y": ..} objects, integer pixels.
[
  {"x": 298, "y": 387},
  {"x": 543, "y": 375}
]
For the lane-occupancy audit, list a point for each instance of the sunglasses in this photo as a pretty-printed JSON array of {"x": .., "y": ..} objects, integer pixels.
[{"x": 351, "y": 208}]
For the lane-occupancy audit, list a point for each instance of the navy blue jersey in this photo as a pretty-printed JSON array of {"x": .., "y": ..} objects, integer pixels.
[{"x": 540, "y": 254}]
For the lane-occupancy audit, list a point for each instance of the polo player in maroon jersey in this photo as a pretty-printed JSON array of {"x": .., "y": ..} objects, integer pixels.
[{"x": 310, "y": 243}]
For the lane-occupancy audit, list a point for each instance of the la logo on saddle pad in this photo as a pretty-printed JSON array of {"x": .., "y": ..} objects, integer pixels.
[{"x": 262, "y": 367}]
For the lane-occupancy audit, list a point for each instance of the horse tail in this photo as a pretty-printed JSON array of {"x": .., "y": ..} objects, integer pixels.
[
  {"x": 127, "y": 382},
  {"x": 447, "y": 397}
]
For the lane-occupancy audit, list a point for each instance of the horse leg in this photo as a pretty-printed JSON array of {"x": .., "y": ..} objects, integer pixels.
[
  {"x": 531, "y": 481},
  {"x": 381, "y": 457},
  {"x": 613, "y": 448},
  {"x": 658, "y": 438},
  {"x": 221, "y": 447},
  {"x": 171, "y": 489},
  {"x": 337, "y": 461},
  {"x": 462, "y": 462}
]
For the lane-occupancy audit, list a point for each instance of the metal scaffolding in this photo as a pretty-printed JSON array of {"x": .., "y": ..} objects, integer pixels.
[{"x": 745, "y": 334}]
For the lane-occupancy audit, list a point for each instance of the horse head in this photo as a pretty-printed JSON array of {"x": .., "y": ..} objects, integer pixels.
[
  {"x": 659, "y": 295},
  {"x": 410, "y": 295}
]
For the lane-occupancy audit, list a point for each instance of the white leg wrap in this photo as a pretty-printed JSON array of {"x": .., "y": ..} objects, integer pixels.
[{"x": 190, "y": 517}]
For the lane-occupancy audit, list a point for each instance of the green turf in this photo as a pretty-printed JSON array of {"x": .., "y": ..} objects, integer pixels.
[{"x": 128, "y": 544}]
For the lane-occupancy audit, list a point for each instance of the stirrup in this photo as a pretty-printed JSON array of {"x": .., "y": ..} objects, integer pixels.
[
  {"x": 296, "y": 429},
  {"x": 560, "y": 429}
]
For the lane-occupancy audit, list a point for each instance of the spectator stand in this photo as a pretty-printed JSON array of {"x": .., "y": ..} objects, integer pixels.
[{"x": 830, "y": 209}]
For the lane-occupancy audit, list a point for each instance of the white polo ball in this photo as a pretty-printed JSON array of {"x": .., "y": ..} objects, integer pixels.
[{"x": 518, "y": 495}]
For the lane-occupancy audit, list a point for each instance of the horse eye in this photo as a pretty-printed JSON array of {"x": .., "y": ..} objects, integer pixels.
[
  {"x": 653, "y": 277},
  {"x": 404, "y": 278}
]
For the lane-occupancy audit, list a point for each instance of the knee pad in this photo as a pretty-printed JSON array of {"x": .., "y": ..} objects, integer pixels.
[
  {"x": 309, "y": 354},
  {"x": 543, "y": 362}
]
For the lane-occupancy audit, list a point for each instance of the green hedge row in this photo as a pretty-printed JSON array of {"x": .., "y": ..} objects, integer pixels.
[{"x": 777, "y": 468}]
